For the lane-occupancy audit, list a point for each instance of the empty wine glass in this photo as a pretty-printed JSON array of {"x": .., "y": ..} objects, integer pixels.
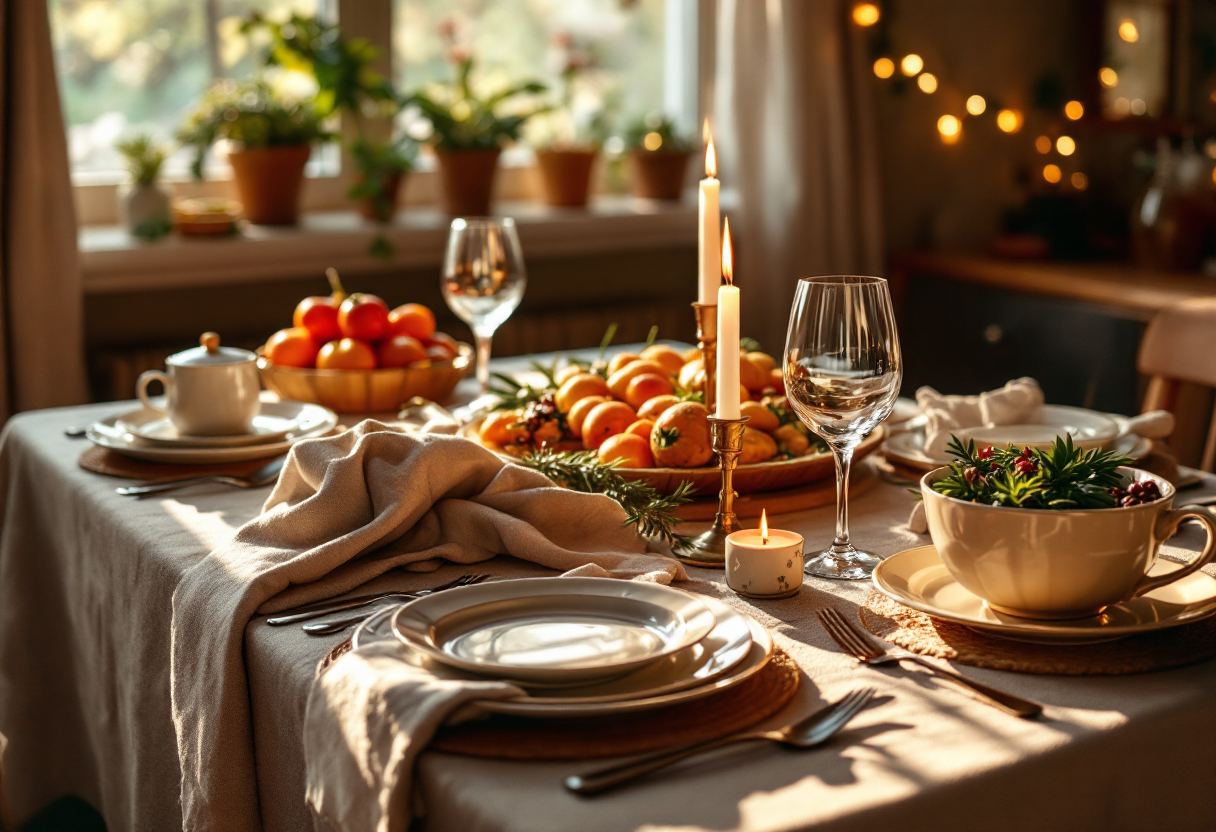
[
  {"x": 842, "y": 373},
  {"x": 483, "y": 280}
]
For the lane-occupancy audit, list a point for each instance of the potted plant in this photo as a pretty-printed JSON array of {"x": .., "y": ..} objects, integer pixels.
[
  {"x": 381, "y": 168},
  {"x": 142, "y": 204},
  {"x": 659, "y": 157},
  {"x": 468, "y": 132},
  {"x": 270, "y": 139}
]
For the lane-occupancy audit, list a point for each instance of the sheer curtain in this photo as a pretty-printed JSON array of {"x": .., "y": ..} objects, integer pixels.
[
  {"x": 41, "y": 316},
  {"x": 794, "y": 122}
]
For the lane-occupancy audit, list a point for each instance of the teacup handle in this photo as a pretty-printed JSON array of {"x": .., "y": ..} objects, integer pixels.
[
  {"x": 1167, "y": 527},
  {"x": 141, "y": 387}
]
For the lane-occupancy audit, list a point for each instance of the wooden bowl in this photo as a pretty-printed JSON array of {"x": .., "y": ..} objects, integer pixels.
[{"x": 367, "y": 391}]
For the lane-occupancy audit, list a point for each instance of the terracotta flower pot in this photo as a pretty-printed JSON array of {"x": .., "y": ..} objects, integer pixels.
[
  {"x": 566, "y": 175},
  {"x": 466, "y": 180},
  {"x": 268, "y": 180},
  {"x": 658, "y": 175},
  {"x": 382, "y": 210}
]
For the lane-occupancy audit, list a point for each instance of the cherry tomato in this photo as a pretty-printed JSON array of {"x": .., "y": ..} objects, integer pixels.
[
  {"x": 346, "y": 354},
  {"x": 412, "y": 319},
  {"x": 400, "y": 351},
  {"x": 363, "y": 317},
  {"x": 320, "y": 317},
  {"x": 444, "y": 341},
  {"x": 294, "y": 347}
]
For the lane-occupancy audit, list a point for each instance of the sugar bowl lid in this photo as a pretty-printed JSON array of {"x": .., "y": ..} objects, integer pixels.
[{"x": 209, "y": 353}]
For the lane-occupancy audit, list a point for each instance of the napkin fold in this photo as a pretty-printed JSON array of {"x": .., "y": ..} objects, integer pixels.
[
  {"x": 1012, "y": 404},
  {"x": 346, "y": 509}
]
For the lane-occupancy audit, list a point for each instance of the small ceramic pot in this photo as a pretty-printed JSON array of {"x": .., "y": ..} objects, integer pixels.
[
  {"x": 466, "y": 180},
  {"x": 658, "y": 174},
  {"x": 269, "y": 180},
  {"x": 565, "y": 175},
  {"x": 1037, "y": 563},
  {"x": 209, "y": 390},
  {"x": 755, "y": 569},
  {"x": 144, "y": 210}
]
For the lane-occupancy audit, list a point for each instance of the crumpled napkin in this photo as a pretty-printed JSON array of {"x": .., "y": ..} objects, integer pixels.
[{"x": 1012, "y": 404}]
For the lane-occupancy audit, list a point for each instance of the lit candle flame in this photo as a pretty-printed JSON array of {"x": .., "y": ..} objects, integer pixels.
[
  {"x": 728, "y": 259},
  {"x": 711, "y": 156},
  {"x": 764, "y": 526}
]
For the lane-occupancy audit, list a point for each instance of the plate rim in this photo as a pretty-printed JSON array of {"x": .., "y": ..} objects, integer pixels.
[
  {"x": 190, "y": 456},
  {"x": 237, "y": 441}
]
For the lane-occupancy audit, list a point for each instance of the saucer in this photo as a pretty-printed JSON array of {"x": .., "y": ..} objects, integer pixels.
[
  {"x": 908, "y": 449},
  {"x": 917, "y": 578},
  {"x": 275, "y": 422},
  {"x": 1087, "y": 428}
]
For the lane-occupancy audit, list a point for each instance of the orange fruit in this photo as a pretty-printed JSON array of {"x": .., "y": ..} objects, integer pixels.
[
  {"x": 692, "y": 375},
  {"x": 503, "y": 427},
  {"x": 665, "y": 356},
  {"x": 653, "y": 408},
  {"x": 645, "y": 387},
  {"x": 444, "y": 341},
  {"x": 618, "y": 382},
  {"x": 400, "y": 351},
  {"x": 758, "y": 446},
  {"x": 641, "y": 427},
  {"x": 566, "y": 373},
  {"x": 766, "y": 361},
  {"x": 293, "y": 347},
  {"x": 412, "y": 319},
  {"x": 605, "y": 420},
  {"x": 633, "y": 451},
  {"x": 364, "y": 317},
  {"x": 579, "y": 387},
  {"x": 620, "y": 360},
  {"x": 752, "y": 375},
  {"x": 681, "y": 438},
  {"x": 759, "y": 417},
  {"x": 691, "y": 354},
  {"x": 777, "y": 381},
  {"x": 347, "y": 354},
  {"x": 578, "y": 413},
  {"x": 320, "y": 317}
]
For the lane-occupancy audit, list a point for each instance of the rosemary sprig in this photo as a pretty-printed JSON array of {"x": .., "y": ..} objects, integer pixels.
[
  {"x": 651, "y": 512},
  {"x": 512, "y": 394}
]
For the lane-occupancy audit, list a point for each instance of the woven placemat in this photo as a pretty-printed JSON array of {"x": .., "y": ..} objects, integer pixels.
[
  {"x": 517, "y": 738},
  {"x": 104, "y": 461},
  {"x": 918, "y": 633}
]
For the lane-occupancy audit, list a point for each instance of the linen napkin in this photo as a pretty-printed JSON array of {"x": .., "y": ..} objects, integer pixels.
[
  {"x": 347, "y": 508},
  {"x": 1012, "y": 404}
]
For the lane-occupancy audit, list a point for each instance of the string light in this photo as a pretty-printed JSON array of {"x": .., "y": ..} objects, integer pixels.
[
  {"x": 1127, "y": 30},
  {"x": 912, "y": 64},
  {"x": 1042, "y": 144},
  {"x": 1051, "y": 173},
  {"x": 976, "y": 105},
  {"x": 1074, "y": 110},
  {"x": 1108, "y": 77},
  {"x": 1138, "y": 107},
  {"x": 1080, "y": 181},
  {"x": 884, "y": 67},
  {"x": 927, "y": 82},
  {"x": 1066, "y": 146},
  {"x": 1121, "y": 106},
  {"x": 866, "y": 14},
  {"x": 1010, "y": 121},
  {"x": 950, "y": 128},
  {"x": 652, "y": 141}
]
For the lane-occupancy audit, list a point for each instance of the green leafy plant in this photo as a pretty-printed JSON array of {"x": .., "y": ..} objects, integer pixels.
[
  {"x": 250, "y": 115},
  {"x": 143, "y": 156},
  {"x": 652, "y": 513},
  {"x": 656, "y": 133},
  {"x": 1062, "y": 477},
  {"x": 378, "y": 163}
]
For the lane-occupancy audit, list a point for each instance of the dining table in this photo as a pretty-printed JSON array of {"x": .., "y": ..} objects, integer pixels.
[{"x": 87, "y": 578}]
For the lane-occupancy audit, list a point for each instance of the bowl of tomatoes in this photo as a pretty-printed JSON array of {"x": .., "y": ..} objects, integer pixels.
[{"x": 353, "y": 354}]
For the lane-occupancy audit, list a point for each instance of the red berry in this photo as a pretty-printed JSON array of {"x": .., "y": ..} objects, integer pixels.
[
  {"x": 1024, "y": 466},
  {"x": 986, "y": 453}
]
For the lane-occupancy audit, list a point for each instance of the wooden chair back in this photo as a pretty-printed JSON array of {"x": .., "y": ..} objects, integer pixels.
[{"x": 1179, "y": 347}]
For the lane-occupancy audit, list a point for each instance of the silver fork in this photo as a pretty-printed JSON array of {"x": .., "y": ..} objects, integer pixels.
[
  {"x": 324, "y": 628},
  {"x": 808, "y": 732},
  {"x": 263, "y": 476},
  {"x": 863, "y": 648}
]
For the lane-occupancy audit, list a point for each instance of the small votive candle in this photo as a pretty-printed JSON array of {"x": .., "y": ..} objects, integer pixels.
[{"x": 763, "y": 562}]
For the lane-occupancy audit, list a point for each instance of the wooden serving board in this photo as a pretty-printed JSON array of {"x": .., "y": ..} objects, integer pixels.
[{"x": 812, "y": 495}]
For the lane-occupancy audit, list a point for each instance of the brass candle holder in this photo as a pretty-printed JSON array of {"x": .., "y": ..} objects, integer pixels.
[
  {"x": 707, "y": 340},
  {"x": 709, "y": 549}
]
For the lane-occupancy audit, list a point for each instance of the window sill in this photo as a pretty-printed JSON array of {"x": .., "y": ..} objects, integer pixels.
[{"x": 114, "y": 262}]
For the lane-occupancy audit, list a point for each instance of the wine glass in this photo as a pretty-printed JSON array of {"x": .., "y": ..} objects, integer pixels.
[
  {"x": 842, "y": 373},
  {"x": 483, "y": 280}
]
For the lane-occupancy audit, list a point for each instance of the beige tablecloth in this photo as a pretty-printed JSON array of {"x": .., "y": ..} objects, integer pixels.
[{"x": 86, "y": 579}]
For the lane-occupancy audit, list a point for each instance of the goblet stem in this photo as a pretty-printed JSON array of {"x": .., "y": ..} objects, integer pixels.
[
  {"x": 841, "y": 561},
  {"x": 844, "y": 464},
  {"x": 483, "y": 360}
]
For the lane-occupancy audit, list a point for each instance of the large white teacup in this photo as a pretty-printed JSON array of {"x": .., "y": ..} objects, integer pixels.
[
  {"x": 209, "y": 390},
  {"x": 1038, "y": 563}
]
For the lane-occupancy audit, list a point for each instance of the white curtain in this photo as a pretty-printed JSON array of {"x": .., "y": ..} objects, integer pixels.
[
  {"x": 42, "y": 320},
  {"x": 794, "y": 121}
]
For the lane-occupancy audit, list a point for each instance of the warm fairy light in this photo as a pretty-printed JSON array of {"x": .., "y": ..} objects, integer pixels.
[
  {"x": 1214, "y": 176},
  {"x": 652, "y": 141},
  {"x": 728, "y": 257},
  {"x": 911, "y": 64},
  {"x": 1051, "y": 173},
  {"x": 884, "y": 68},
  {"x": 950, "y": 128},
  {"x": 1074, "y": 110},
  {"x": 866, "y": 14},
  {"x": 976, "y": 105},
  {"x": 1108, "y": 77},
  {"x": 1010, "y": 121},
  {"x": 1043, "y": 144},
  {"x": 1138, "y": 107},
  {"x": 711, "y": 158},
  {"x": 927, "y": 82},
  {"x": 764, "y": 526},
  {"x": 1128, "y": 30},
  {"x": 1066, "y": 146},
  {"x": 1080, "y": 181}
]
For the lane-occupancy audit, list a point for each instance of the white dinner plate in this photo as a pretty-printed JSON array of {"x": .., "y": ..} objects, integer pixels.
[
  {"x": 275, "y": 422},
  {"x": 628, "y": 694},
  {"x": 1087, "y": 428},
  {"x": 917, "y": 578},
  {"x": 107, "y": 434},
  {"x": 538, "y": 631}
]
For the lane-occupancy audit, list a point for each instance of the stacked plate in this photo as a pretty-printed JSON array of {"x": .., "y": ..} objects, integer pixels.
[
  {"x": 149, "y": 435},
  {"x": 577, "y": 646}
]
